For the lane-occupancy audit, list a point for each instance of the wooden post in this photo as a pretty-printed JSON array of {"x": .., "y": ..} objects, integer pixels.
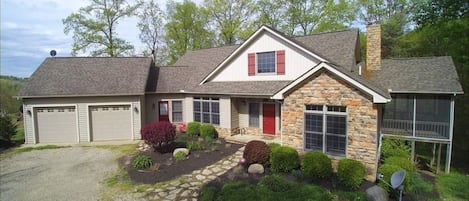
[
  {"x": 432, "y": 162},
  {"x": 439, "y": 159}
]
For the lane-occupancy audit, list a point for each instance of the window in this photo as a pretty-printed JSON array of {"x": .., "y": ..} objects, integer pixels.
[
  {"x": 40, "y": 110},
  {"x": 50, "y": 110},
  {"x": 326, "y": 129},
  {"x": 207, "y": 110},
  {"x": 61, "y": 110},
  {"x": 253, "y": 114},
  {"x": 105, "y": 109},
  {"x": 115, "y": 108},
  {"x": 266, "y": 62},
  {"x": 177, "y": 111}
]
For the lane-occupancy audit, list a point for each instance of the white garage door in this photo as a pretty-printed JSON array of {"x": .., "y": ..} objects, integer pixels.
[
  {"x": 56, "y": 124},
  {"x": 110, "y": 122}
]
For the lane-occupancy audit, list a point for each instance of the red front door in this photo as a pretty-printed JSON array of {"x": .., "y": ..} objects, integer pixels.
[
  {"x": 163, "y": 111},
  {"x": 268, "y": 118}
]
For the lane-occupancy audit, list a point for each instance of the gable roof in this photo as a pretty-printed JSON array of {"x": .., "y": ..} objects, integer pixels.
[
  {"x": 252, "y": 38},
  {"x": 379, "y": 96},
  {"x": 88, "y": 76},
  {"x": 418, "y": 75}
]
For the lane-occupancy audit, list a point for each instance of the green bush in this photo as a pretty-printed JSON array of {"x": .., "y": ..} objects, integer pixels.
[
  {"x": 351, "y": 172},
  {"x": 208, "y": 193},
  {"x": 316, "y": 164},
  {"x": 7, "y": 128},
  {"x": 402, "y": 162},
  {"x": 142, "y": 162},
  {"x": 194, "y": 145},
  {"x": 180, "y": 156},
  {"x": 207, "y": 131},
  {"x": 284, "y": 159},
  {"x": 238, "y": 190},
  {"x": 193, "y": 129},
  {"x": 273, "y": 146},
  {"x": 395, "y": 147},
  {"x": 387, "y": 170},
  {"x": 275, "y": 183},
  {"x": 453, "y": 186},
  {"x": 350, "y": 196},
  {"x": 256, "y": 151}
]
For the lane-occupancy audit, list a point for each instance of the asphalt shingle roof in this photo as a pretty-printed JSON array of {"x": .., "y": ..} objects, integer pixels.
[
  {"x": 418, "y": 75},
  {"x": 88, "y": 76}
]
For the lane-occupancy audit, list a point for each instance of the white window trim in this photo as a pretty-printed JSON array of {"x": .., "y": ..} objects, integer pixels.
[
  {"x": 324, "y": 114},
  {"x": 275, "y": 64},
  {"x": 210, "y": 100}
]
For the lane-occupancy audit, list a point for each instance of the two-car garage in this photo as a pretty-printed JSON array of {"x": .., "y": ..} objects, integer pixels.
[{"x": 56, "y": 124}]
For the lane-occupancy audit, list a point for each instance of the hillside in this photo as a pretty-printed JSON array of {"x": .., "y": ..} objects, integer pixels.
[{"x": 9, "y": 87}]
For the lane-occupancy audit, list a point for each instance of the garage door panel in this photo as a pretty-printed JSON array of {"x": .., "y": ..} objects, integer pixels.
[
  {"x": 56, "y": 124},
  {"x": 110, "y": 122}
]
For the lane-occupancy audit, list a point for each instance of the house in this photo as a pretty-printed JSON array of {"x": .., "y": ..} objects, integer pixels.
[{"x": 313, "y": 92}]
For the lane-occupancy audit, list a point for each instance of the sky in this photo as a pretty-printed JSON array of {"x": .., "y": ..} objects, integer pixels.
[{"x": 30, "y": 29}]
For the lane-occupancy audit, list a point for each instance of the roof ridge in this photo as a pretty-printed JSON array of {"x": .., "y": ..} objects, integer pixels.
[
  {"x": 224, "y": 46},
  {"x": 411, "y": 58},
  {"x": 83, "y": 57},
  {"x": 327, "y": 32}
]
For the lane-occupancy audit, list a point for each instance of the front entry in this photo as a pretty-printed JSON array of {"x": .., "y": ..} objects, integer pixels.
[
  {"x": 268, "y": 118},
  {"x": 163, "y": 111}
]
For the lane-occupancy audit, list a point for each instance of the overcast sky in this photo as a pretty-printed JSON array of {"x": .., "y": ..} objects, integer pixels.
[{"x": 30, "y": 29}]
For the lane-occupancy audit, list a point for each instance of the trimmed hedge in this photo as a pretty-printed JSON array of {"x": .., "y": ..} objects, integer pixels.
[
  {"x": 351, "y": 173},
  {"x": 316, "y": 164},
  {"x": 273, "y": 146},
  {"x": 284, "y": 159},
  {"x": 256, "y": 152},
  {"x": 276, "y": 183},
  {"x": 193, "y": 129},
  {"x": 208, "y": 193},
  {"x": 158, "y": 133},
  {"x": 208, "y": 131}
]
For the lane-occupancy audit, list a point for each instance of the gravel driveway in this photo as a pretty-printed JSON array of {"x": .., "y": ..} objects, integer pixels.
[{"x": 74, "y": 173}]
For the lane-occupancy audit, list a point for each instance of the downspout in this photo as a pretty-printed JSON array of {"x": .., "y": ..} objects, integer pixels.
[{"x": 281, "y": 119}]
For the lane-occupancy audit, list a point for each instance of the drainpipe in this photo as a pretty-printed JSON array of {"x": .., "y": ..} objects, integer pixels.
[{"x": 281, "y": 119}]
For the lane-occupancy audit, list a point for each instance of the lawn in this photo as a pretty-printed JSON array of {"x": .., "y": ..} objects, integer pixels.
[{"x": 453, "y": 186}]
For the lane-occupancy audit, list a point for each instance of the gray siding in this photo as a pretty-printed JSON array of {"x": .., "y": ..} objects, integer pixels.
[
  {"x": 234, "y": 113},
  {"x": 82, "y": 108}
]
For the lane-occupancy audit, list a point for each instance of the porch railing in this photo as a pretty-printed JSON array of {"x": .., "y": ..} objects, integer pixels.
[{"x": 426, "y": 129}]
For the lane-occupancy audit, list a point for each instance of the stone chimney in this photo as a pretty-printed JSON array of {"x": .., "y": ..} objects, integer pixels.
[{"x": 373, "y": 47}]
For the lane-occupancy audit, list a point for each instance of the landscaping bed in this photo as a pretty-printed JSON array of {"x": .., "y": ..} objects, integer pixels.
[{"x": 166, "y": 167}]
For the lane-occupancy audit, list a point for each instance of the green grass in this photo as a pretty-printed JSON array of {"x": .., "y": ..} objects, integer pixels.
[
  {"x": 350, "y": 195},
  {"x": 453, "y": 186},
  {"x": 120, "y": 150},
  {"x": 28, "y": 149}
]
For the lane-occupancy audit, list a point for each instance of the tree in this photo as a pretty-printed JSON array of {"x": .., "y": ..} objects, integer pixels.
[
  {"x": 229, "y": 18},
  {"x": 7, "y": 128},
  {"x": 152, "y": 31},
  {"x": 271, "y": 13},
  {"x": 94, "y": 27},
  {"x": 305, "y": 17},
  {"x": 186, "y": 29}
]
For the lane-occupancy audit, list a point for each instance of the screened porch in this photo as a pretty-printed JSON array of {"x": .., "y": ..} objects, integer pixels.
[{"x": 425, "y": 117}]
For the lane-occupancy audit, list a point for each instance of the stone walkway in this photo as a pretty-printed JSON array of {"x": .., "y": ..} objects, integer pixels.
[{"x": 187, "y": 187}]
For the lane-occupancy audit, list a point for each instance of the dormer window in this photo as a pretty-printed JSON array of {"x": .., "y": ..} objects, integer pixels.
[
  {"x": 272, "y": 62},
  {"x": 266, "y": 62}
]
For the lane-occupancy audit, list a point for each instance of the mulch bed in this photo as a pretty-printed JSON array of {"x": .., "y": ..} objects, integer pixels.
[{"x": 168, "y": 168}]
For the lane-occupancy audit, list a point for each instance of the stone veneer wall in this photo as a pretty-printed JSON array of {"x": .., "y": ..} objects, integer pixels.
[{"x": 328, "y": 89}]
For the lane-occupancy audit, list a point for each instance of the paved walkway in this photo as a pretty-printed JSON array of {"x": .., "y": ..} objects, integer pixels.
[{"x": 187, "y": 187}]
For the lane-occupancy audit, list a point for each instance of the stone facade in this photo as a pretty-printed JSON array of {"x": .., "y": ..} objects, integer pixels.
[
  {"x": 223, "y": 132},
  {"x": 373, "y": 47},
  {"x": 362, "y": 117}
]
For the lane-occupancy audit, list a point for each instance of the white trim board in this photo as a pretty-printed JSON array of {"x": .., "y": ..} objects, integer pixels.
[{"x": 377, "y": 98}]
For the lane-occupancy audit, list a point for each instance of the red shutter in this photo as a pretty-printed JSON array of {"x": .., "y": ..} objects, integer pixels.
[
  {"x": 251, "y": 64},
  {"x": 281, "y": 62}
]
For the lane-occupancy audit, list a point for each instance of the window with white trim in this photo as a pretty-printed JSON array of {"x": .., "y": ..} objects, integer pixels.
[
  {"x": 177, "y": 111},
  {"x": 207, "y": 110},
  {"x": 325, "y": 129},
  {"x": 266, "y": 62},
  {"x": 254, "y": 114}
]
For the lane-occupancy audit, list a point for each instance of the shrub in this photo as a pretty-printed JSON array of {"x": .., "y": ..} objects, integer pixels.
[
  {"x": 238, "y": 190},
  {"x": 275, "y": 183},
  {"x": 284, "y": 159},
  {"x": 158, "y": 133},
  {"x": 207, "y": 131},
  {"x": 256, "y": 152},
  {"x": 395, "y": 147},
  {"x": 350, "y": 172},
  {"x": 194, "y": 145},
  {"x": 193, "y": 128},
  {"x": 179, "y": 156},
  {"x": 142, "y": 162},
  {"x": 402, "y": 162},
  {"x": 208, "y": 193},
  {"x": 7, "y": 128},
  {"x": 387, "y": 170},
  {"x": 316, "y": 164},
  {"x": 273, "y": 146}
]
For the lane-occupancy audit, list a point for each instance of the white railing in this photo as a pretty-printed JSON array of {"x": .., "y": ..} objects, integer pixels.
[{"x": 425, "y": 129}]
